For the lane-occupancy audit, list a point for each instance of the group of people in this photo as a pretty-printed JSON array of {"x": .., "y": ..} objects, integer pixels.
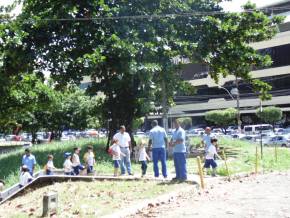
[{"x": 121, "y": 151}]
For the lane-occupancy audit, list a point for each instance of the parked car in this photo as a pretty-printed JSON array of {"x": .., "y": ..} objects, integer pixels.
[
  {"x": 2, "y": 137},
  {"x": 140, "y": 134},
  {"x": 281, "y": 140},
  {"x": 256, "y": 129}
]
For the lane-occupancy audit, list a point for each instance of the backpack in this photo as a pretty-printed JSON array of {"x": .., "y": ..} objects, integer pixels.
[{"x": 110, "y": 151}]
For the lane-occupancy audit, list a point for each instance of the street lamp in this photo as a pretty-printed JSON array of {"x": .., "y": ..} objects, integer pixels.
[{"x": 232, "y": 93}]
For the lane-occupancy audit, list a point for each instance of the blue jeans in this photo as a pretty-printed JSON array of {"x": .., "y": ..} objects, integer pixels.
[
  {"x": 125, "y": 160},
  {"x": 159, "y": 154},
  {"x": 180, "y": 165},
  {"x": 77, "y": 169},
  {"x": 143, "y": 167},
  {"x": 90, "y": 169}
]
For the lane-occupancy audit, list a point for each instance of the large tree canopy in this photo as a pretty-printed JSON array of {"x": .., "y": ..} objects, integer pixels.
[{"x": 127, "y": 47}]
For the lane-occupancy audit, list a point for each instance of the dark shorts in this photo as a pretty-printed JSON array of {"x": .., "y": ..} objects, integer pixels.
[
  {"x": 210, "y": 163},
  {"x": 90, "y": 169},
  {"x": 116, "y": 163}
]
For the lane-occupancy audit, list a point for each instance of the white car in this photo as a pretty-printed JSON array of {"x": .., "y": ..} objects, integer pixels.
[{"x": 280, "y": 140}]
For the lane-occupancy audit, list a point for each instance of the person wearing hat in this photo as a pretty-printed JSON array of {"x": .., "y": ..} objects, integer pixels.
[
  {"x": 67, "y": 165},
  {"x": 158, "y": 141},
  {"x": 206, "y": 139},
  {"x": 25, "y": 176},
  {"x": 124, "y": 141},
  {"x": 29, "y": 160}
]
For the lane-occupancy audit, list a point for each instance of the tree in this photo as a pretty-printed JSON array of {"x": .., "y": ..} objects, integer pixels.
[
  {"x": 129, "y": 54},
  {"x": 270, "y": 114},
  {"x": 222, "y": 118},
  {"x": 186, "y": 122}
]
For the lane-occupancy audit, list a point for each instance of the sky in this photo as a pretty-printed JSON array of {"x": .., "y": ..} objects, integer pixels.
[{"x": 234, "y": 5}]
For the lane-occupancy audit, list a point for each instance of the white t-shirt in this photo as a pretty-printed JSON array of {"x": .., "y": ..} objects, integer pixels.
[
  {"x": 76, "y": 160},
  {"x": 142, "y": 154},
  {"x": 24, "y": 177},
  {"x": 123, "y": 139},
  {"x": 50, "y": 165},
  {"x": 91, "y": 159},
  {"x": 67, "y": 165},
  {"x": 211, "y": 151},
  {"x": 116, "y": 152}
]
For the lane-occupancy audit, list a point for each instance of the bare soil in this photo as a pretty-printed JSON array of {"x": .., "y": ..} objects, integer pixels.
[{"x": 259, "y": 196}]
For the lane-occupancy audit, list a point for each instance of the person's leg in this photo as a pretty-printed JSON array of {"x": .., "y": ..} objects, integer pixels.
[
  {"x": 143, "y": 167},
  {"x": 116, "y": 167},
  {"x": 214, "y": 166},
  {"x": 76, "y": 170},
  {"x": 183, "y": 171},
  {"x": 128, "y": 161},
  {"x": 155, "y": 161},
  {"x": 206, "y": 166},
  {"x": 175, "y": 159},
  {"x": 122, "y": 162},
  {"x": 163, "y": 161}
]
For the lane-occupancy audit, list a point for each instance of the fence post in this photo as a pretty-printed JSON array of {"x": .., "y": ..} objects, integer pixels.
[
  {"x": 200, "y": 172},
  {"x": 256, "y": 161},
  {"x": 276, "y": 153},
  {"x": 226, "y": 164}
]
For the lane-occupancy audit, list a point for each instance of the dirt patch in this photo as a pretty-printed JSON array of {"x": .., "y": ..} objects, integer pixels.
[{"x": 254, "y": 196}]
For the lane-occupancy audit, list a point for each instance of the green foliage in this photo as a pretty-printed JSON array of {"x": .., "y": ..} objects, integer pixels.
[
  {"x": 186, "y": 122},
  {"x": 225, "y": 44},
  {"x": 222, "y": 118},
  {"x": 137, "y": 123},
  {"x": 270, "y": 114}
]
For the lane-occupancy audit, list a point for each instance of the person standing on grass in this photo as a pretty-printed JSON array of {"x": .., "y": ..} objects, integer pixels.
[
  {"x": 89, "y": 158},
  {"x": 29, "y": 160},
  {"x": 210, "y": 157},
  {"x": 158, "y": 141},
  {"x": 117, "y": 154},
  {"x": 143, "y": 157},
  {"x": 179, "y": 152},
  {"x": 124, "y": 141},
  {"x": 206, "y": 138},
  {"x": 76, "y": 163}
]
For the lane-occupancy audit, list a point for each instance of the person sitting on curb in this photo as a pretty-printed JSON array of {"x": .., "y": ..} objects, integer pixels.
[
  {"x": 76, "y": 163},
  {"x": 25, "y": 176},
  {"x": 67, "y": 165}
]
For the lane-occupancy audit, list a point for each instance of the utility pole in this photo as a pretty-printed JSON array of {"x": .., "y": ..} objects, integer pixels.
[
  {"x": 164, "y": 106},
  {"x": 238, "y": 104}
]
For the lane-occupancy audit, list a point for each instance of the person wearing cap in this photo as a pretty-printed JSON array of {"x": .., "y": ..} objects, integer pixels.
[
  {"x": 76, "y": 163},
  {"x": 124, "y": 141},
  {"x": 67, "y": 165},
  {"x": 206, "y": 138},
  {"x": 29, "y": 160},
  {"x": 25, "y": 176},
  {"x": 158, "y": 141},
  {"x": 179, "y": 152}
]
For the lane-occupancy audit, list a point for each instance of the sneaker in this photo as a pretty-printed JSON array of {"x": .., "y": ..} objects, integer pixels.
[{"x": 130, "y": 174}]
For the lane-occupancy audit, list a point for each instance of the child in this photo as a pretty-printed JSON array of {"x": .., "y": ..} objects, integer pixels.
[
  {"x": 143, "y": 157},
  {"x": 77, "y": 166},
  {"x": 67, "y": 165},
  {"x": 210, "y": 155},
  {"x": 116, "y": 151},
  {"x": 89, "y": 158},
  {"x": 25, "y": 176},
  {"x": 49, "y": 166}
]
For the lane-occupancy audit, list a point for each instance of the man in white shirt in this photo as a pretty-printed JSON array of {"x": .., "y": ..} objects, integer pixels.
[{"x": 124, "y": 141}]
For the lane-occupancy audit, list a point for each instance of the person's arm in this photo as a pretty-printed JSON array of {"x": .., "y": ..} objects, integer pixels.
[{"x": 150, "y": 143}]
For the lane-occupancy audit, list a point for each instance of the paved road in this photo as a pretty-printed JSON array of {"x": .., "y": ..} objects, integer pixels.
[{"x": 259, "y": 196}]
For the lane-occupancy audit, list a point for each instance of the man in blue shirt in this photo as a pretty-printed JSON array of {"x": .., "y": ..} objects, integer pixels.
[
  {"x": 179, "y": 152},
  {"x": 29, "y": 160},
  {"x": 158, "y": 140}
]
